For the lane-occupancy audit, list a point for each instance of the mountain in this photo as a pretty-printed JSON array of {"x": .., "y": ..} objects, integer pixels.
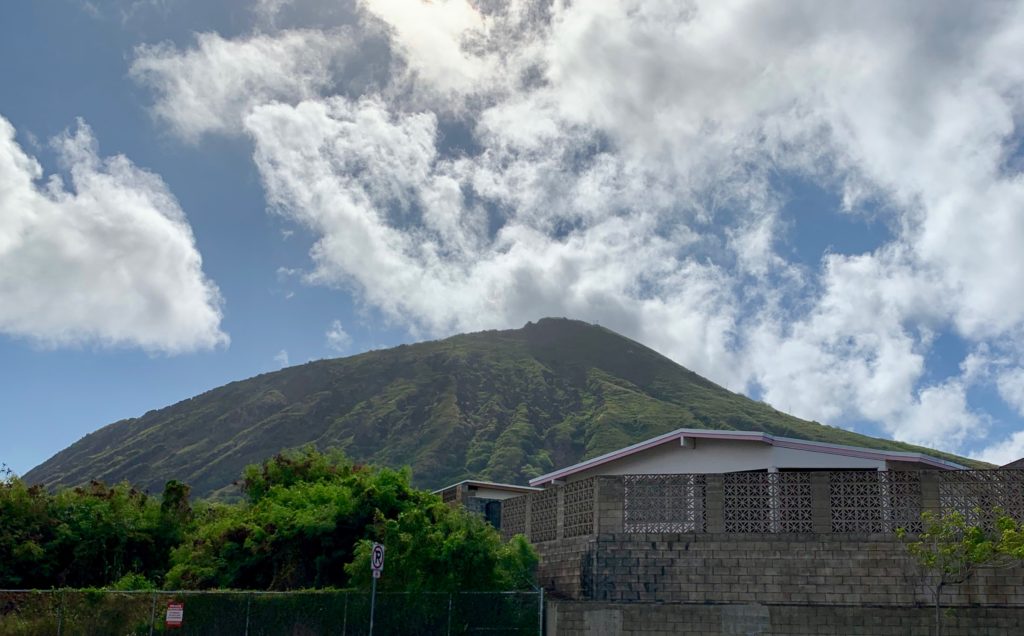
[{"x": 496, "y": 405}]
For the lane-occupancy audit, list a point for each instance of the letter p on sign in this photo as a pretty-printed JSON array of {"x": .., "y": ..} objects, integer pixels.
[{"x": 377, "y": 560}]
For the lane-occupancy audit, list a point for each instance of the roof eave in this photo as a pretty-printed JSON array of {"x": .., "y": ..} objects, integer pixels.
[{"x": 757, "y": 436}]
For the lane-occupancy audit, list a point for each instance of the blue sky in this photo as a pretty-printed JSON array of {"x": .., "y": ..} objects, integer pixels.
[{"x": 822, "y": 210}]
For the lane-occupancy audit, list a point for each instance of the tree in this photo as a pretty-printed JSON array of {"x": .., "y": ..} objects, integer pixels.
[
  {"x": 93, "y": 535},
  {"x": 442, "y": 549},
  {"x": 1011, "y": 538},
  {"x": 308, "y": 516},
  {"x": 950, "y": 551}
]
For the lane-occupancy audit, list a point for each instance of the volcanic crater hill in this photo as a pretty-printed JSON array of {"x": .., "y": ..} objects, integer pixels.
[{"x": 494, "y": 405}]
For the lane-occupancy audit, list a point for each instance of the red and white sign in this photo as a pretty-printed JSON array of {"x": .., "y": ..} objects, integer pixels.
[{"x": 175, "y": 614}]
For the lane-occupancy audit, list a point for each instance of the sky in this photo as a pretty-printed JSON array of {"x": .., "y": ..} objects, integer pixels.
[{"x": 817, "y": 204}]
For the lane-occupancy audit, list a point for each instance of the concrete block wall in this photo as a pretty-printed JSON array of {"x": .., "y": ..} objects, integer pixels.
[
  {"x": 719, "y": 568},
  {"x": 578, "y": 618},
  {"x": 715, "y": 566},
  {"x": 567, "y": 566},
  {"x": 715, "y": 582},
  {"x": 803, "y": 569}
]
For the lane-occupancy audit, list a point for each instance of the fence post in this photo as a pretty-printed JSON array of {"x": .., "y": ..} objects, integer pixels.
[
  {"x": 449, "y": 614},
  {"x": 344, "y": 616},
  {"x": 152, "y": 615},
  {"x": 540, "y": 614},
  {"x": 60, "y": 613},
  {"x": 248, "y": 608}
]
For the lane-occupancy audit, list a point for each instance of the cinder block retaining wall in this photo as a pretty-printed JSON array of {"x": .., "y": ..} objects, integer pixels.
[
  {"x": 719, "y": 568},
  {"x": 782, "y": 551},
  {"x": 579, "y": 618}
]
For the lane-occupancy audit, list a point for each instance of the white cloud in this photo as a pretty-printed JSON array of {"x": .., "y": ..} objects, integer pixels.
[
  {"x": 345, "y": 168},
  {"x": 337, "y": 338},
  {"x": 1011, "y": 388},
  {"x": 627, "y": 168},
  {"x": 210, "y": 88},
  {"x": 940, "y": 417},
  {"x": 281, "y": 358},
  {"x": 1005, "y": 451},
  {"x": 431, "y": 38},
  {"x": 112, "y": 261}
]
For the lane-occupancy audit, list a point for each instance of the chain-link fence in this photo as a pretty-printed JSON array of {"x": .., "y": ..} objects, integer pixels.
[{"x": 344, "y": 613}]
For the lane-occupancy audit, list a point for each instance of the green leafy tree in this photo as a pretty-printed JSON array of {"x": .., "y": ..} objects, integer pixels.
[
  {"x": 1011, "y": 538},
  {"x": 950, "y": 551},
  {"x": 308, "y": 516},
  {"x": 442, "y": 549},
  {"x": 88, "y": 536},
  {"x": 24, "y": 532}
]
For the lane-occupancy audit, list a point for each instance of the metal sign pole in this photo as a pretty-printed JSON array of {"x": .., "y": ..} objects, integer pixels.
[
  {"x": 373, "y": 603},
  {"x": 376, "y": 566}
]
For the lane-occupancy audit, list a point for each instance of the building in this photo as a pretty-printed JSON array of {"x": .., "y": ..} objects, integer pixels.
[
  {"x": 743, "y": 532},
  {"x": 484, "y": 497},
  {"x": 691, "y": 450}
]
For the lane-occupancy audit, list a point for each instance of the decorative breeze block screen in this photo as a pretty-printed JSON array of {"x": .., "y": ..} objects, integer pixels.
[
  {"x": 664, "y": 503},
  {"x": 513, "y": 516},
  {"x": 977, "y": 493},
  {"x": 578, "y": 507},
  {"x": 544, "y": 515},
  {"x": 767, "y": 502},
  {"x": 874, "y": 501}
]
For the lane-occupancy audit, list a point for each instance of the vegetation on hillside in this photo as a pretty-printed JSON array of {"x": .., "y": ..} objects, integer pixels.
[
  {"x": 495, "y": 405},
  {"x": 306, "y": 522}
]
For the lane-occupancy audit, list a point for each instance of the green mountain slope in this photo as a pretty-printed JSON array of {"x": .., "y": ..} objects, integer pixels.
[{"x": 497, "y": 405}]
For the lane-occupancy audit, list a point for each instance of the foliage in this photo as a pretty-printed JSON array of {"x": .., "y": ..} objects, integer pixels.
[
  {"x": 496, "y": 405},
  {"x": 950, "y": 547},
  {"x": 133, "y": 581},
  {"x": 88, "y": 536},
  {"x": 950, "y": 550},
  {"x": 308, "y": 519},
  {"x": 441, "y": 549},
  {"x": 305, "y": 523},
  {"x": 1011, "y": 538}
]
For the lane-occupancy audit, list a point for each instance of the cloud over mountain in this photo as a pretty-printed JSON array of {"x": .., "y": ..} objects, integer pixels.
[{"x": 631, "y": 163}]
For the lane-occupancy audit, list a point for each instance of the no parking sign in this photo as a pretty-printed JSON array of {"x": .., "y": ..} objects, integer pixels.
[{"x": 377, "y": 560}]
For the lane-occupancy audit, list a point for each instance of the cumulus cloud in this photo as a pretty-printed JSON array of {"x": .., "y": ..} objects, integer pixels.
[
  {"x": 211, "y": 87},
  {"x": 110, "y": 261},
  {"x": 1008, "y": 450},
  {"x": 624, "y": 165},
  {"x": 337, "y": 338},
  {"x": 429, "y": 35},
  {"x": 281, "y": 358},
  {"x": 1011, "y": 388}
]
